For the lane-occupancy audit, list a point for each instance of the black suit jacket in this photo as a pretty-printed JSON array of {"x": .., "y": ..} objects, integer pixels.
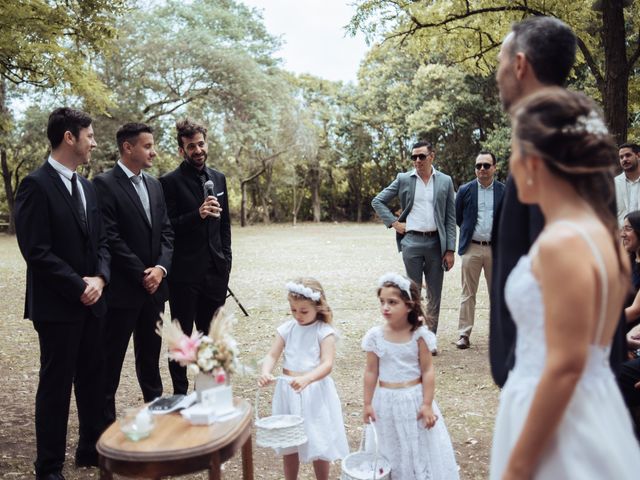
[
  {"x": 467, "y": 210},
  {"x": 135, "y": 244},
  {"x": 57, "y": 248},
  {"x": 196, "y": 239}
]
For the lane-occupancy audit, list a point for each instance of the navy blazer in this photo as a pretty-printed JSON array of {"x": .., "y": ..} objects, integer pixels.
[{"x": 467, "y": 210}]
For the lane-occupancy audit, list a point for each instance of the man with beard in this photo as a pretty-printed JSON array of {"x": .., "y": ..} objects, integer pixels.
[
  {"x": 628, "y": 182},
  {"x": 197, "y": 205},
  {"x": 538, "y": 52}
]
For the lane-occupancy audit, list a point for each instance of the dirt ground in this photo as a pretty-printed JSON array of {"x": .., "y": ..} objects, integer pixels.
[{"x": 347, "y": 259}]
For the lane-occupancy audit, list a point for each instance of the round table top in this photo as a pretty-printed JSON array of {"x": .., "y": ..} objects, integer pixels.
[{"x": 174, "y": 438}]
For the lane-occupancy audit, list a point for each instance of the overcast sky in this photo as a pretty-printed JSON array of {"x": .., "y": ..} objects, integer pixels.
[{"x": 313, "y": 36}]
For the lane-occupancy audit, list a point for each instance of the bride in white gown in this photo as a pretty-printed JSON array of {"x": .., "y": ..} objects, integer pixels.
[{"x": 561, "y": 415}]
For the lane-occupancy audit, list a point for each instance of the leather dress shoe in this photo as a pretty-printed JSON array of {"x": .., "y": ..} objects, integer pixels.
[
  {"x": 51, "y": 476},
  {"x": 463, "y": 343}
]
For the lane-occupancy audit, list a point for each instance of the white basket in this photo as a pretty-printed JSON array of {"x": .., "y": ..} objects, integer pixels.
[
  {"x": 363, "y": 465},
  {"x": 279, "y": 431}
]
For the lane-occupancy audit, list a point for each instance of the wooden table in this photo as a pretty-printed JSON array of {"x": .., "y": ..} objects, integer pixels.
[{"x": 176, "y": 447}]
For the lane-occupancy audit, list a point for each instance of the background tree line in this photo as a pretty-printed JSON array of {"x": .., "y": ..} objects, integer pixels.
[{"x": 293, "y": 147}]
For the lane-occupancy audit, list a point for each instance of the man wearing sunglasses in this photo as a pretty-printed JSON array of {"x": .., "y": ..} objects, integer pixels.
[
  {"x": 426, "y": 227},
  {"x": 476, "y": 204}
]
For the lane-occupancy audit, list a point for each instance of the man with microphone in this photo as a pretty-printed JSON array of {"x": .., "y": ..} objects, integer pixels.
[{"x": 198, "y": 208}]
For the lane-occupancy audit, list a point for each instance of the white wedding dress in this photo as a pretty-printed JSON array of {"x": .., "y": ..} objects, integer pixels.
[{"x": 595, "y": 438}]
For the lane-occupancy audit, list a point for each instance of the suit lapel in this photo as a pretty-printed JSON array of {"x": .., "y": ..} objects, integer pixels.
[
  {"x": 473, "y": 191},
  {"x": 64, "y": 193},
  {"x": 130, "y": 191},
  {"x": 192, "y": 181}
]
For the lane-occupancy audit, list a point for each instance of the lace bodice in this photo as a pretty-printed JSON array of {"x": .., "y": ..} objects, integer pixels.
[
  {"x": 398, "y": 361},
  {"x": 523, "y": 296}
]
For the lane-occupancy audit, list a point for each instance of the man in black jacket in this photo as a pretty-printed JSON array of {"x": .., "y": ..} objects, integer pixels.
[
  {"x": 197, "y": 203},
  {"x": 141, "y": 243},
  {"x": 538, "y": 52},
  {"x": 62, "y": 239}
]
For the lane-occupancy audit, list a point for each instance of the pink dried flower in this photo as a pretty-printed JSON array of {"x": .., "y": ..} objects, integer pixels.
[
  {"x": 186, "y": 349},
  {"x": 221, "y": 376}
]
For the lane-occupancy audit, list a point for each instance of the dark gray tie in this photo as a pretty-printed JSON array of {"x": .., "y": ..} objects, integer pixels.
[
  {"x": 143, "y": 194},
  {"x": 77, "y": 201}
]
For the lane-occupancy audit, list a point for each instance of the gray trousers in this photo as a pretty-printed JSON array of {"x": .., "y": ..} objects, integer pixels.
[{"x": 421, "y": 256}]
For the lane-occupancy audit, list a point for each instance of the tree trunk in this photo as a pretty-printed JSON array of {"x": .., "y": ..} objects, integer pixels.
[
  {"x": 314, "y": 173},
  {"x": 615, "y": 96},
  {"x": 8, "y": 189},
  {"x": 243, "y": 204}
]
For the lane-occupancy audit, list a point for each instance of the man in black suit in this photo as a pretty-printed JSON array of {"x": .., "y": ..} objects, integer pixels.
[
  {"x": 476, "y": 204},
  {"x": 62, "y": 239},
  {"x": 141, "y": 243},
  {"x": 538, "y": 52},
  {"x": 202, "y": 248}
]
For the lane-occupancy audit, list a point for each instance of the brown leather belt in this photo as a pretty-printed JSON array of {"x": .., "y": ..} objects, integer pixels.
[
  {"x": 423, "y": 234},
  {"x": 289, "y": 373},
  {"x": 409, "y": 383}
]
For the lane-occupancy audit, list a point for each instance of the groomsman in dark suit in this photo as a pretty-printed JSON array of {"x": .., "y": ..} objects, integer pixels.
[
  {"x": 197, "y": 203},
  {"x": 141, "y": 243},
  {"x": 476, "y": 204},
  {"x": 62, "y": 239},
  {"x": 538, "y": 52}
]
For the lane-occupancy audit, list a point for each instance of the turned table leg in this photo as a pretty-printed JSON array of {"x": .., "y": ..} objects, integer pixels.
[{"x": 247, "y": 460}]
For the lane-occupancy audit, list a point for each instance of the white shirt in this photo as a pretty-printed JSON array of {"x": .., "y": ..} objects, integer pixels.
[
  {"x": 627, "y": 196},
  {"x": 484, "y": 223},
  {"x": 422, "y": 218},
  {"x": 66, "y": 174}
]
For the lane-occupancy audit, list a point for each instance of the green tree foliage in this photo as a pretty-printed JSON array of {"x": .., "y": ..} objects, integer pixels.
[
  {"x": 51, "y": 44},
  {"x": 469, "y": 33}
]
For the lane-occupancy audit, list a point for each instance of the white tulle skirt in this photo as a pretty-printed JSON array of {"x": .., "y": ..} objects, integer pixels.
[
  {"x": 414, "y": 451},
  {"x": 320, "y": 407}
]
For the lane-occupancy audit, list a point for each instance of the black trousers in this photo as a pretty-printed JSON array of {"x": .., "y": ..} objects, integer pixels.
[
  {"x": 195, "y": 303},
  {"x": 71, "y": 354},
  {"x": 120, "y": 324}
]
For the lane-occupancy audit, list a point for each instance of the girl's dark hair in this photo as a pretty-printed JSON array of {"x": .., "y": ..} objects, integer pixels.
[
  {"x": 567, "y": 131},
  {"x": 634, "y": 221},
  {"x": 416, "y": 313}
]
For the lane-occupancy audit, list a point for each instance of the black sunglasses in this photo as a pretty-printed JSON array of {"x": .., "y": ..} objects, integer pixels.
[
  {"x": 486, "y": 166},
  {"x": 420, "y": 156}
]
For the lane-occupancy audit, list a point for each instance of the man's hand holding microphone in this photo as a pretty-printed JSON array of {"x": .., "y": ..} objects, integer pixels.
[{"x": 210, "y": 207}]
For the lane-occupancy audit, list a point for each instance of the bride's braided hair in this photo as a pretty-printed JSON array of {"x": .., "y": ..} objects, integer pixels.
[{"x": 567, "y": 131}]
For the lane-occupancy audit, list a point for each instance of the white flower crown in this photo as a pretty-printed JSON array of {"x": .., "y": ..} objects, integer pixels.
[
  {"x": 591, "y": 123},
  {"x": 399, "y": 281},
  {"x": 303, "y": 291}
]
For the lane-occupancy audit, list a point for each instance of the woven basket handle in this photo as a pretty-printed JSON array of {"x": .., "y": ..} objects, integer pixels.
[
  {"x": 375, "y": 441},
  {"x": 258, "y": 396}
]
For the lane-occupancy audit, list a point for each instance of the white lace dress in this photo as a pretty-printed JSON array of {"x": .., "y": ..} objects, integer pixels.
[
  {"x": 414, "y": 451},
  {"x": 318, "y": 403},
  {"x": 595, "y": 439}
]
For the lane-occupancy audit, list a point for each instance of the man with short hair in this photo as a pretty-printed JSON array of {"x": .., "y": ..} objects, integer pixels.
[
  {"x": 62, "y": 239},
  {"x": 628, "y": 182},
  {"x": 197, "y": 202},
  {"x": 426, "y": 227},
  {"x": 476, "y": 204},
  {"x": 141, "y": 243},
  {"x": 538, "y": 52}
]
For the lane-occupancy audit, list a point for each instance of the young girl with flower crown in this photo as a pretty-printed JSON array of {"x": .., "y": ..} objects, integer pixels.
[
  {"x": 308, "y": 343},
  {"x": 399, "y": 384}
]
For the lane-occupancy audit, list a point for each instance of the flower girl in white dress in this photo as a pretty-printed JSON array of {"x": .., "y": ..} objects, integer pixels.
[
  {"x": 561, "y": 414},
  {"x": 399, "y": 384},
  {"x": 308, "y": 342}
]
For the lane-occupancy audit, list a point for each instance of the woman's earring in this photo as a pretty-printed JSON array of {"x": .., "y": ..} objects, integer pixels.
[{"x": 529, "y": 182}]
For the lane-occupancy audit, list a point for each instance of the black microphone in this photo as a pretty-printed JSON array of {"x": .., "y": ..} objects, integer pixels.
[{"x": 208, "y": 189}]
